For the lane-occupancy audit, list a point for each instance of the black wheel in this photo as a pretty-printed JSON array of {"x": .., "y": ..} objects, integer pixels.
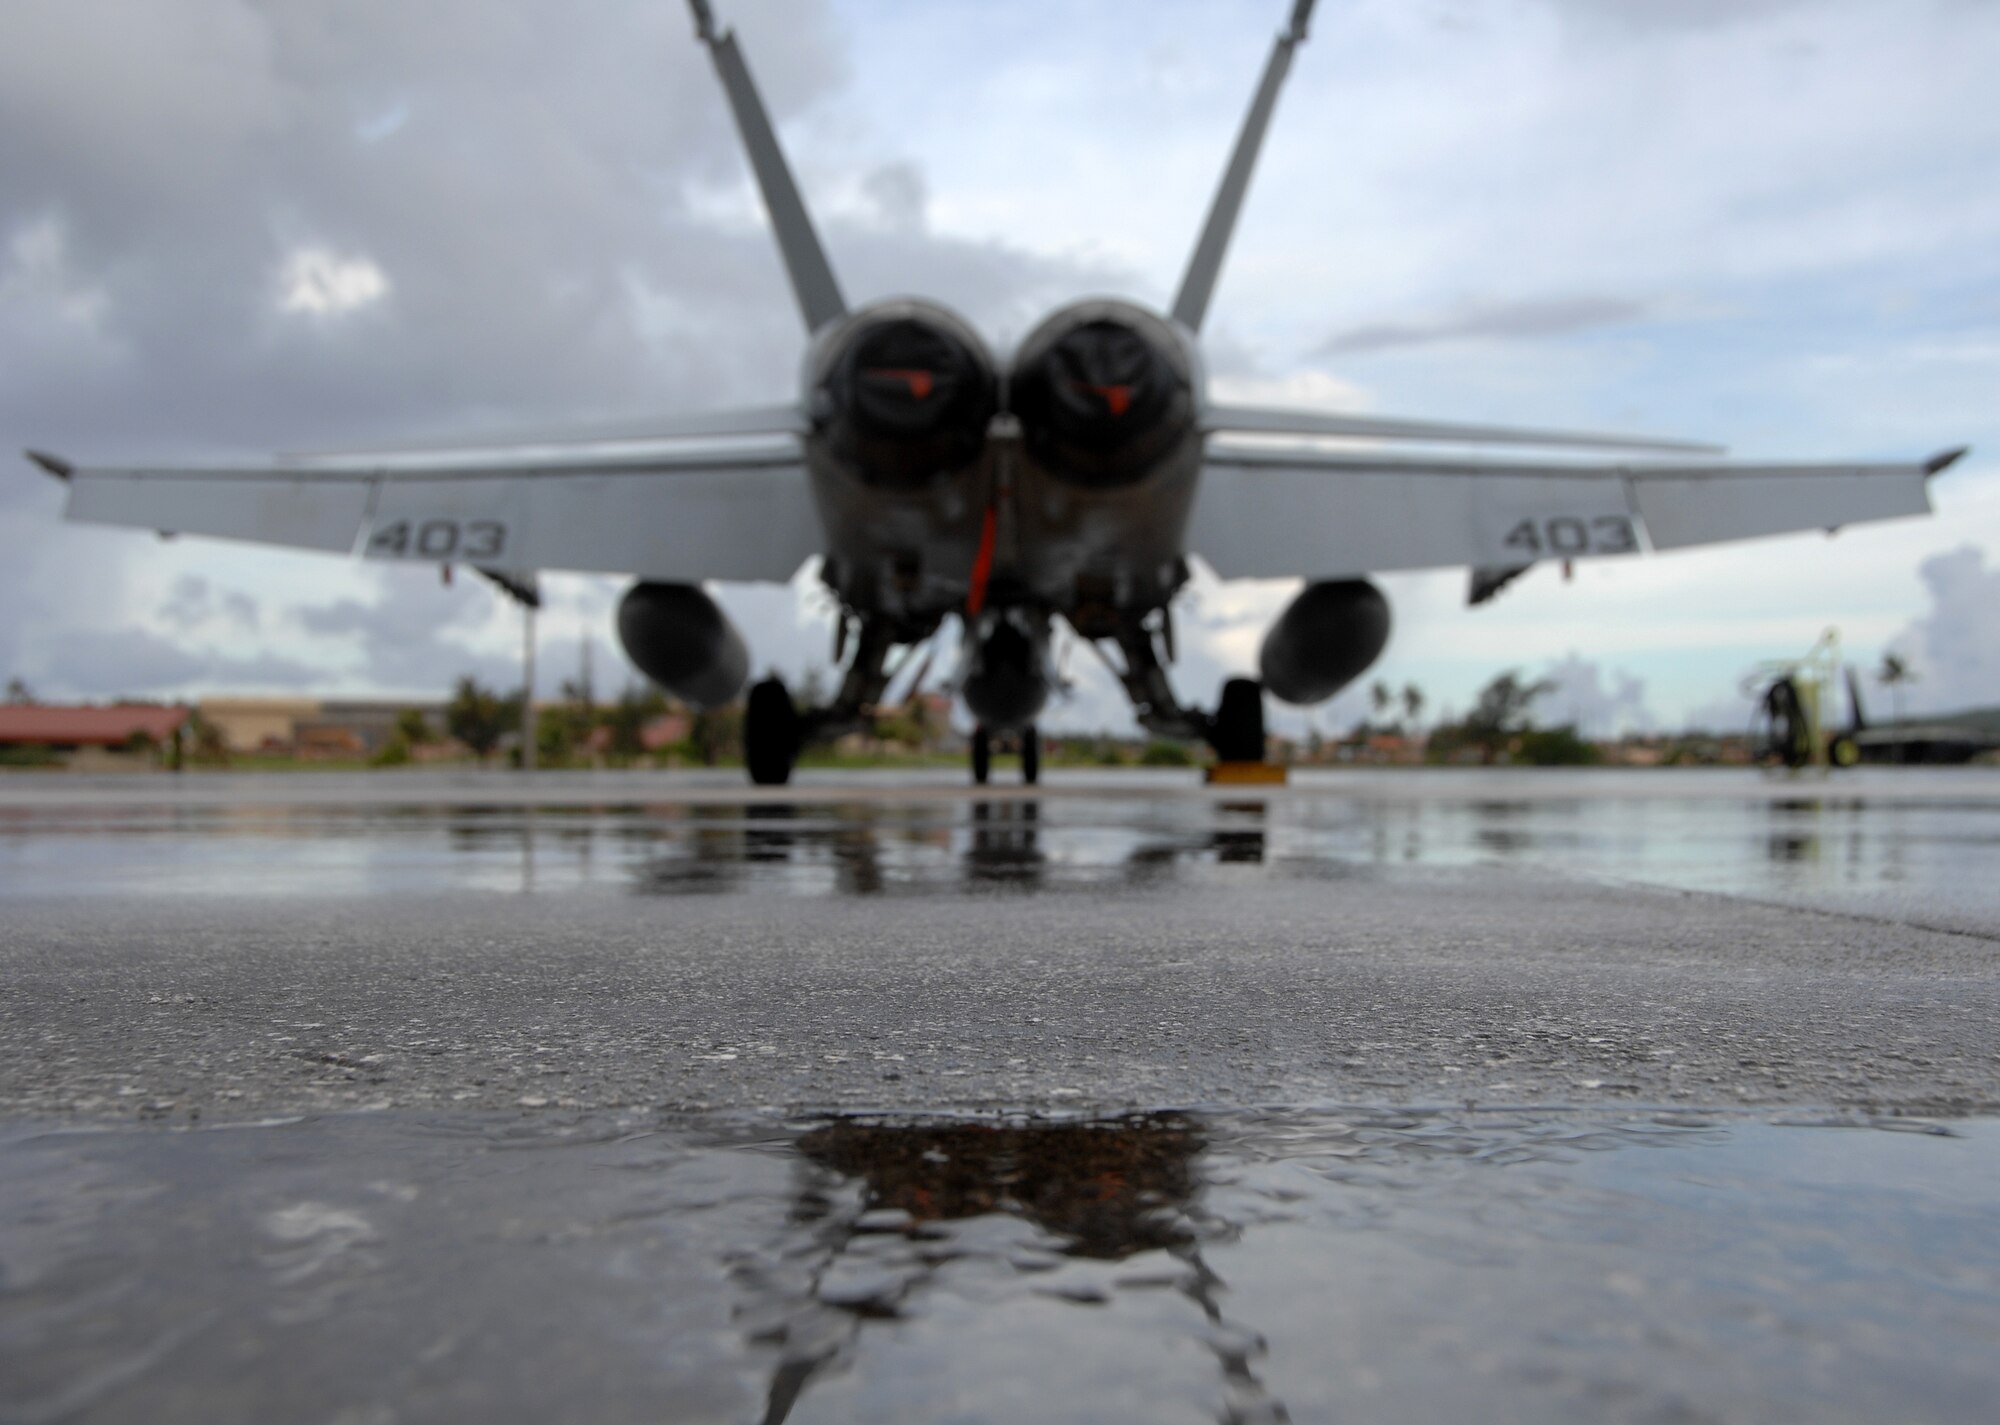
[
  {"x": 1237, "y": 730},
  {"x": 982, "y": 755},
  {"x": 1031, "y": 755},
  {"x": 770, "y": 734}
]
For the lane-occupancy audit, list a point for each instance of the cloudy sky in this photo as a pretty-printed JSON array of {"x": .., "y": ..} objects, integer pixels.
[{"x": 235, "y": 227}]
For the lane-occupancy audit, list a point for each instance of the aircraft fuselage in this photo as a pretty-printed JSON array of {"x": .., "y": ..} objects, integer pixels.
[{"x": 1055, "y": 483}]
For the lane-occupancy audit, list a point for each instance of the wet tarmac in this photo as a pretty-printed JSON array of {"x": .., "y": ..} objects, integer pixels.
[{"x": 1385, "y": 1097}]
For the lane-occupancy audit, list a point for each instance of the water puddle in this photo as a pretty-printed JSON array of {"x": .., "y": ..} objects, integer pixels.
[
  {"x": 1903, "y": 858},
  {"x": 1304, "y": 1265}
]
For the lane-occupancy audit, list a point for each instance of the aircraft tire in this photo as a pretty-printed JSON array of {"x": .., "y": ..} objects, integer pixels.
[
  {"x": 1237, "y": 731},
  {"x": 982, "y": 756},
  {"x": 1031, "y": 755},
  {"x": 770, "y": 734}
]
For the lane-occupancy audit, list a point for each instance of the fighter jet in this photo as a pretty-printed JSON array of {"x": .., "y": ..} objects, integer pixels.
[{"x": 1068, "y": 481}]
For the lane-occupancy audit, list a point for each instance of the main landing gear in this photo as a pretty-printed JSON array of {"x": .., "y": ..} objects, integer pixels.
[
  {"x": 1236, "y": 731},
  {"x": 1031, "y": 755},
  {"x": 775, "y": 728},
  {"x": 772, "y": 734}
]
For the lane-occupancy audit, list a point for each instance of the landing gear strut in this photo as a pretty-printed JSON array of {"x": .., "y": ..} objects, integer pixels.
[{"x": 982, "y": 755}]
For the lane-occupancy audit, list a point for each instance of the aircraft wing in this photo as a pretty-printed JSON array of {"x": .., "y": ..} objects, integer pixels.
[
  {"x": 673, "y": 509},
  {"x": 1273, "y": 512}
]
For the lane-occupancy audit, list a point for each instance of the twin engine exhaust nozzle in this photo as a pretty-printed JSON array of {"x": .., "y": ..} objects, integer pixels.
[{"x": 905, "y": 393}]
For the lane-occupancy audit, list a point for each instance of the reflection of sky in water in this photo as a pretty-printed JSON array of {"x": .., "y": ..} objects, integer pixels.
[
  {"x": 1297, "y": 1264},
  {"x": 1828, "y": 844}
]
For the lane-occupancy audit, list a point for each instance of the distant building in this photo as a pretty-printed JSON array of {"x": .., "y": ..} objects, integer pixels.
[
  {"x": 258, "y": 724},
  {"x": 310, "y": 727},
  {"x": 118, "y": 738}
]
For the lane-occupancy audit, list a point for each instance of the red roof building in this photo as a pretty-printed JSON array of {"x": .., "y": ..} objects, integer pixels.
[{"x": 40, "y": 725}]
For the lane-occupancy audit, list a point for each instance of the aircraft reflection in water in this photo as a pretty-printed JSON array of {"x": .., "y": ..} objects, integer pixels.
[
  {"x": 999, "y": 844},
  {"x": 898, "y": 1210},
  {"x": 1830, "y": 845}
]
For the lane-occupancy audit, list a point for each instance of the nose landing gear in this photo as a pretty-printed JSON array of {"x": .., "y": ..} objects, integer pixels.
[{"x": 982, "y": 755}]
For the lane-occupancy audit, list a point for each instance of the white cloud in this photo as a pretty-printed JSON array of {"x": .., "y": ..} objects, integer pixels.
[
  {"x": 322, "y": 283},
  {"x": 1305, "y": 390},
  {"x": 1580, "y": 698},
  {"x": 1957, "y": 640}
]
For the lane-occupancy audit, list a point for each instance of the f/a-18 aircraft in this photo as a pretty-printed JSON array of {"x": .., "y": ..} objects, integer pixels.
[{"x": 936, "y": 479}]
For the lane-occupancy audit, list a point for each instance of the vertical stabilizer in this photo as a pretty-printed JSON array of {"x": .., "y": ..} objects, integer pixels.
[
  {"x": 1860, "y": 723},
  {"x": 811, "y": 275},
  {"x": 1191, "y": 305}
]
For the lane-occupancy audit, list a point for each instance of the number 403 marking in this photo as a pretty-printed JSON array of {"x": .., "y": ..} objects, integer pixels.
[
  {"x": 438, "y": 539},
  {"x": 1567, "y": 535}
]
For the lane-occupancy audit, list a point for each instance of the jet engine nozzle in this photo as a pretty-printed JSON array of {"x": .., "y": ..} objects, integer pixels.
[
  {"x": 1324, "y": 640},
  {"x": 906, "y": 392},
  {"x": 1102, "y": 390},
  {"x": 675, "y": 635}
]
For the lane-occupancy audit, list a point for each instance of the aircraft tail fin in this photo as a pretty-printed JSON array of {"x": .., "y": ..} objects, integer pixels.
[
  {"x": 812, "y": 278},
  {"x": 1205, "y": 266},
  {"x": 1854, "y": 700}
]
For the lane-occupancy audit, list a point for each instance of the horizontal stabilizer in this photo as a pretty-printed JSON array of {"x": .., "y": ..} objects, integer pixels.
[
  {"x": 681, "y": 515},
  {"x": 777, "y": 421},
  {"x": 1263, "y": 512},
  {"x": 1316, "y": 425}
]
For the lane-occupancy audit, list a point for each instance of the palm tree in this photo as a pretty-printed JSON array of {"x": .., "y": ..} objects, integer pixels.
[
  {"x": 1382, "y": 698},
  {"x": 1893, "y": 674},
  {"x": 1413, "y": 702}
]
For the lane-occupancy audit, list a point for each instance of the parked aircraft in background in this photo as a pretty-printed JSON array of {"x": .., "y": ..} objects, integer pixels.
[
  {"x": 1944, "y": 738},
  {"x": 1070, "y": 479},
  {"x": 1796, "y": 705}
]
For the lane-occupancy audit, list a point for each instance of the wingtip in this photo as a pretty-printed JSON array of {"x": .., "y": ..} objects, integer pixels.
[
  {"x": 54, "y": 464},
  {"x": 1945, "y": 459}
]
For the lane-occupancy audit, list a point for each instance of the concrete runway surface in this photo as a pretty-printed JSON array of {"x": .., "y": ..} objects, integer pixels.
[{"x": 1411, "y": 1095}]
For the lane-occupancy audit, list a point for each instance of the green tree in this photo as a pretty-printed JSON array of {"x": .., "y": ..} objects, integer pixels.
[
  {"x": 1556, "y": 747},
  {"x": 413, "y": 728},
  {"x": 717, "y": 735},
  {"x": 1413, "y": 703},
  {"x": 561, "y": 732},
  {"x": 479, "y": 717},
  {"x": 1501, "y": 713},
  {"x": 19, "y": 693},
  {"x": 626, "y": 721},
  {"x": 1894, "y": 673},
  {"x": 1503, "y": 709},
  {"x": 1383, "y": 699}
]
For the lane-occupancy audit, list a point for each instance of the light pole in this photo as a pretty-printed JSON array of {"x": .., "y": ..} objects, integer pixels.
[{"x": 527, "y": 687}]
